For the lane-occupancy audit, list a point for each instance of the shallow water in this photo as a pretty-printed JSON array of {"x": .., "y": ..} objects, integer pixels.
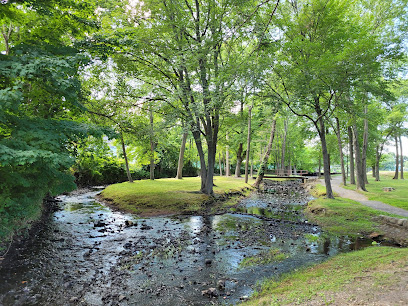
[{"x": 87, "y": 255}]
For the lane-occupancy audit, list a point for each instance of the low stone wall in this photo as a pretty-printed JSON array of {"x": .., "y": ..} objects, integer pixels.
[{"x": 395, "y": 221}]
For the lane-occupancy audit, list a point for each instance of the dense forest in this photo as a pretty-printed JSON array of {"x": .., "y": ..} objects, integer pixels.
[{"x": 97, "y": 92}]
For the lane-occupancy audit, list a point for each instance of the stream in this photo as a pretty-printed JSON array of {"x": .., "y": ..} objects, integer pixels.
[{"x": 87, "y": 254}]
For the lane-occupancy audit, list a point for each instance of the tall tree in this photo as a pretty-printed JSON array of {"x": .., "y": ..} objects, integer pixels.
[
  {"x": 181, "y": 157},
  {"x": 265, "y": 158},
  {"x": 396, "y": 158},
  {"x": 339, "y": 142},
  {"x": 328, "y": 48},
  {"x": 248, "y": 150},
  {"x": 351, "y": 152},
  {"x": 359, "y": 163},
  {"x": 191, "y": 52},
  {"x": 402, "y": 159}
]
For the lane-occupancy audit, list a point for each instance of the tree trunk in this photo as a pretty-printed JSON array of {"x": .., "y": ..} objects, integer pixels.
[
  {"x": 329, "y": 160},
  {"x": 227, "y": 164},
  {"x": 239, "y": 161},
  {"x": 152, "y": 144},
  {"x": 373, "y": 167},
  {"x": 396, "y": 159},
  {"x": 126, "y": 159},
  {"x": 359, "y": 162},
  {"x": 351, "y": 149},
  {"x": 401, "y": 159},
  {"x": 320, "y": 167},
  {"x": 6, "y": 32},
  {"x": 285, "y": 131},
  {"x": 203, "y": 170},
  {"x": 264, "y": 162},
  {"x": 220, "y": 163},
  {"x": 248, "y": 144},
  {"x": 326, "y": 161},
  {"x": 377, "y": 161},
  {"x": 343, "y": 171},
  {"x": 212, "y": 149},
  {"x": 179, "y": 175},
  {"x": 365, "y": 146},
  {"x": 239, "y": 152}
]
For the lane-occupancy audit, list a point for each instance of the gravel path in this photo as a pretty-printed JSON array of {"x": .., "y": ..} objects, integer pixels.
[{"x": 354, "y": 195}]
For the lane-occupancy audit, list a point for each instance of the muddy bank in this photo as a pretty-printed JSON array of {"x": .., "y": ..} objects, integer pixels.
[
  {"x": 29, "y": 232},
  {"x": 88, "y": 254}
]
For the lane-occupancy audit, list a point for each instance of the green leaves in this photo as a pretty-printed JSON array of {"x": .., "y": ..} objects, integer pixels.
[{"x": 40, "y": 93}]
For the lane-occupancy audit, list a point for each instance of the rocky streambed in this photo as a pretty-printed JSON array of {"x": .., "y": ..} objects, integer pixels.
[{"x": 87, "y": 254}]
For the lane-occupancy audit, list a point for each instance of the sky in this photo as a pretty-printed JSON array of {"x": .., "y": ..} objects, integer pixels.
[{"x": 391, "y": 146}]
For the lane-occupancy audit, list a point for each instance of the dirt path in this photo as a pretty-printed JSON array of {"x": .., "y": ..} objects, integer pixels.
[{"x": 354, "y": 195}]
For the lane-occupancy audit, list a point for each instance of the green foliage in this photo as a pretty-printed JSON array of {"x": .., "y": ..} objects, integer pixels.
[{"x": 39, "y": 92}]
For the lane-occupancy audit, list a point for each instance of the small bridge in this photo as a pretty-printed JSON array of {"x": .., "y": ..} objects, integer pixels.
[{"x": 287, "y": 175}]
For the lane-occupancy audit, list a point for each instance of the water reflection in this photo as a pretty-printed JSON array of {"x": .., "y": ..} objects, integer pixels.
[{"x": 93, "y": 255}]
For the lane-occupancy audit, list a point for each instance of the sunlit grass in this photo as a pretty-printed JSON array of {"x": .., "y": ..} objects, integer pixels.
[
  {"x": 319, "y": 190},
  {"x": 343, "y": 216},
  {"x": 397, "y": 197},
  {"x": 167, "y": 196},
  {"x": 322, "y": 280}
]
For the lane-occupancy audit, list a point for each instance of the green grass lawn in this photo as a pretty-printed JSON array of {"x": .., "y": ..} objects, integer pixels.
[
  {"x": 343, "y": 216},
  {"x": 320, "y": 281},
  {"x": 319, "y": 190},
  {"x": 397, "y": 198},
  {"x": 166, "y": 196}
]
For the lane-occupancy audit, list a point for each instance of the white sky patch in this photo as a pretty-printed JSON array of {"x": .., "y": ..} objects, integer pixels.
[
  {"x": 134, "y": 8},
  {"x": 390, "y": 147}
]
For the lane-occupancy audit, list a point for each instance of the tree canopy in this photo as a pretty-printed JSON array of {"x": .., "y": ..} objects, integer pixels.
[{"x": 320, "y": 80}]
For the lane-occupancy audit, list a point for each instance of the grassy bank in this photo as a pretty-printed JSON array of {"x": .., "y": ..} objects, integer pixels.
[
  {"x": 343, "y": 216},
  {"x": 368, "y": 269},
  {"x": 344, "y": 276},
  {"x": 167, "y": 196},
  {"x": 397, "y": 197}
]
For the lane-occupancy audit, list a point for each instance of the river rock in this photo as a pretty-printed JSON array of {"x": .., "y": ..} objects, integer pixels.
[
  {"x": 99, "y": 224},
  {"x": 374, "y": 235},
  {"x": 129, "y": 223},
  {"x": 146, "y": 227},
  {"x": 121, "y": 298},
  {"x": 210, "y": 292},
  {"x": 221, "y": 284}
]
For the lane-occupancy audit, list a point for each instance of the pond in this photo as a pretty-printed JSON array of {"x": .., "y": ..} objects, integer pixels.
[{"x": 87, "y": 254}]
